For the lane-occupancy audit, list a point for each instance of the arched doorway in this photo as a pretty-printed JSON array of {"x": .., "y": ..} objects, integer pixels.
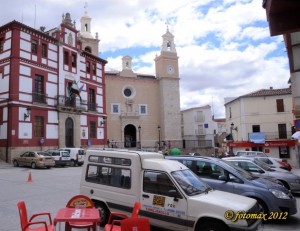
[
  {"x": 69, "y": 129},
  {"x": 129, "y": 136}
]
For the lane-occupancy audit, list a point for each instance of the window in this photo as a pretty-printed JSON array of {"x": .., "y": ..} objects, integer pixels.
[
  {"x": 66, "y": 58},
  {"x": 38, "y": 126},
  {"x": 94, "y": 69},
  {"x": 92, "y": 129},
  {"x": 88, "y": 67},
  {"x": 158, "y": 183},
  {"x": 280, "y": 105},
  {"x": 115, "y": 108},
  {"x": 34, "y": 46},
  {"x": 109, "y": 175},
  {"x": 282, "y": 131},
  {"x": 39, "y": 95},
  {"x": 44, "y": 50},
  {"x": 1, "y": 44},
  {"x": 91, "y": 100},
  {"x": 230, "y": 114},
  {"x": 74, "y": 58},
  {"x": 143, "y": 109},
  {"x": 255, "y": 128}
]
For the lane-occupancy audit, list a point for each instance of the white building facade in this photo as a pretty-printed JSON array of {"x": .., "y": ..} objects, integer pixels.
[{"x": 262, "y": 121}]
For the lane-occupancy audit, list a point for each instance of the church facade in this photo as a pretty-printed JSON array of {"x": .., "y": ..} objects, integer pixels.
[
  {"x": 51, "y": 88},
  {"x": 143, "y": 111}
]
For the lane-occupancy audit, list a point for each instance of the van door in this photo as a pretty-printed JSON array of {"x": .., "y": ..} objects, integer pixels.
[{"x": 162, "y": 202}]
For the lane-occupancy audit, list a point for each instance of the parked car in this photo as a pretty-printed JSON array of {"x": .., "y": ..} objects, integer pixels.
[
  {"x": 258, "y": 168},
  {"x": 275, "y": 162},
  {"x": 61, "y": 158},
  {"x": 76, "y": 154},
  {"x": 225, "y": 176},
  {"x": 33, "y": 159},
  {"x": 250, "y": 153}
]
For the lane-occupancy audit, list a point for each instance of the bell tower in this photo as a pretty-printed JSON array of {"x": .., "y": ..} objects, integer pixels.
[
  {"x": 166, "y": 65},
  {"x": 89, "y": 43}
]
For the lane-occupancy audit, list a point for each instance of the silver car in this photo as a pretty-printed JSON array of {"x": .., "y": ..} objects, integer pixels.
[
  {"x": 33, "y": 159},
  {"x": 259, "y": 168},
  {"x": 225, "y": 176}
]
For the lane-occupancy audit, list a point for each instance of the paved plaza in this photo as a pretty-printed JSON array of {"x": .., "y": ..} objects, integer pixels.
[{"x": 50, "y": 190}]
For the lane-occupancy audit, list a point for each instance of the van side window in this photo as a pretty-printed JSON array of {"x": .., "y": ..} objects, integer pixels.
[
  {"x": 157, "y": 183},
  {"x": 108, "y": 175}
]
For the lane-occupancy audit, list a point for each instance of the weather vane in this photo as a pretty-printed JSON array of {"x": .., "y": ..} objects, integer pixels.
[{"x": 167, "y": 24}]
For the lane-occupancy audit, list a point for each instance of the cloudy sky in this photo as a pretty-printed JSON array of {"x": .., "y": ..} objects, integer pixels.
[{"x": 224, "y": 46}]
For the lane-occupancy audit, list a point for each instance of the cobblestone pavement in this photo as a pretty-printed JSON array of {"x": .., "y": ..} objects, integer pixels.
[{"x": 50, "y": 189}]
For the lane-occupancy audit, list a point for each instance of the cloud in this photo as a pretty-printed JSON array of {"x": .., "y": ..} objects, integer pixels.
[{"x": 224, "y": 46}]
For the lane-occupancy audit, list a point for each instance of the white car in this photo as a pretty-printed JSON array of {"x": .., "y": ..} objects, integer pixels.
[{"x": 273, "y": 162}]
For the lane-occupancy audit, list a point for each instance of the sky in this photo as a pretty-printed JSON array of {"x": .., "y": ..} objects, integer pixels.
[{"x": 224, "y": 46}]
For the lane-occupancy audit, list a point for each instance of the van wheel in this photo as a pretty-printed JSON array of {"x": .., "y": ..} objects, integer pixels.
[
  {"x": 33, "y": 165},
  {"x": 72, "y": 164},
  {"x": 212, "y": 225},
  {"x": 104, "y": 212}
]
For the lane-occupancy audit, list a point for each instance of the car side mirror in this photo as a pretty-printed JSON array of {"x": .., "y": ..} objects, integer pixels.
[
  {"x": 174, "y": 193},
  {"x": 223, "y": 178}
]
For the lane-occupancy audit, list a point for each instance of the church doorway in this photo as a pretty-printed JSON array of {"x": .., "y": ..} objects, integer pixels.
[
  {"x": 130, "y": 136},
  {"x": 69, "y": 132}
]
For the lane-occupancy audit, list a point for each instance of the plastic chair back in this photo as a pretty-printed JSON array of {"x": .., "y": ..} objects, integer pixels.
[
  {"x": 23, "y": 214},
  {"x": 80, "y": 201},
  {"x": 135, "y": 224},
  {"x": 136, "y": 209}
]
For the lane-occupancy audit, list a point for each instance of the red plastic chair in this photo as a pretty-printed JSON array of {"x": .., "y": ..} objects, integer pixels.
[
  {"x": 25, "y": 223},
  {"x": 134, "y": 214},
  {"x": 131, "y": 224},
  {"x": 80, "y": 201}
]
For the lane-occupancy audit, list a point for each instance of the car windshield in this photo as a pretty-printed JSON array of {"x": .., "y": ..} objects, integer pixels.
[
  {"x": 190, "y": 183},
  {"x": 241, "y": 171},
  {"x": 263, "y": 165}
]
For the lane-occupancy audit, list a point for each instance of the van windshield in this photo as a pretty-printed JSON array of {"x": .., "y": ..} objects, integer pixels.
[{"x": 189, "y": 182}]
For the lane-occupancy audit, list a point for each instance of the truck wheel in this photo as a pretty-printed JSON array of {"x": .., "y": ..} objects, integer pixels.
[
  {"x": 33, "y": 165},
  {"x": 212, "y": 225},
  {"x": 104, "y": 212},
  {"x": 16, "y": 164}
]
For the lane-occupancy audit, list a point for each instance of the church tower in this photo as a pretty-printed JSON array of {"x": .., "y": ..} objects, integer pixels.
[
  {"x": 166, "y": 65},
  {"x": 89, "y": 43}
]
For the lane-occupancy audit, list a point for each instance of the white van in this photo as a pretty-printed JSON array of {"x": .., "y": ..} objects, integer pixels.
[
  {"x": 172, "y": 196},
  {"x": 77, "y": 155}
]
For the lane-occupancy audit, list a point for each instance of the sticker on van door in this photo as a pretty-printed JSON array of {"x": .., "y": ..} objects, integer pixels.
[{"x": 159, "y": 200}]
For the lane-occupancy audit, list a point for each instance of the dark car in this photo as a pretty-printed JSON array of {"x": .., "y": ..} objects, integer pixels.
[
  {"x": 33, "y": 159},
  {"x": 224, "y": 176}
]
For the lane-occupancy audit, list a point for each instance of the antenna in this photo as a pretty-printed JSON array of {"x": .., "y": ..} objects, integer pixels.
[{"x": 34, "y": 16}]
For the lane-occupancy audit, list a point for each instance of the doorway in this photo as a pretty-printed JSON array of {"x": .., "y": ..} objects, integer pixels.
[
  {"x": 69, "y": 129},
  {"x": 130, "y": 136}
]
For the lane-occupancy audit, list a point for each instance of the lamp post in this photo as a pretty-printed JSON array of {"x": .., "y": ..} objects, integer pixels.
[
  {"x": 232, "y": 128},
  {"x": 103, "y": 122},
  {"x": 158, "y": 128},
  {"x": 140, "y": 142}
]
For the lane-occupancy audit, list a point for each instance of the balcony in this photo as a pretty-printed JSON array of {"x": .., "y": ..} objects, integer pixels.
[
  {"x": 64, "y": 103},
  {"x": 39, "y": 98}
]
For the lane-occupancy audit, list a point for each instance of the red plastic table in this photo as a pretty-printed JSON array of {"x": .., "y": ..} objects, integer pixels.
[{"x": 78, "y": 215}]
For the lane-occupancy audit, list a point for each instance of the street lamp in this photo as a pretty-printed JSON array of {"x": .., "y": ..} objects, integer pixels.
[
  {"x": 158, "y": 128},
  {"x": 26, "y": 115},
  {"x": 140, "y": 142},
  {"x": 231, "y": 129},
  {"x": 103, "y": 122}
]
